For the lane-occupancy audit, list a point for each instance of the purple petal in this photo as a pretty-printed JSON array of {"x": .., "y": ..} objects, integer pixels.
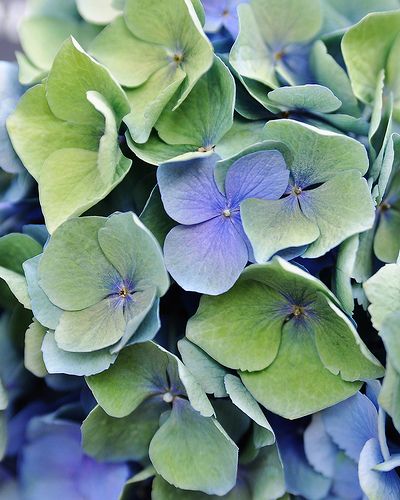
[
  {"x": 188, "y": 190},
  {"x": 351, "y": 424},
  {"x": 260, "y": 175},
  {"x": 346, "y": 483},
  {"x": 206, "y": 258},
  {"x": 376, "y": 484}
]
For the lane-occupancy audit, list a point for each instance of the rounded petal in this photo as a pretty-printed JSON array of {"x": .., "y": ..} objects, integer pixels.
[{"x": 207, "y": 257}]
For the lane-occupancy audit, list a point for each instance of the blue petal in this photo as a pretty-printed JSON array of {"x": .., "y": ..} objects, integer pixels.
[
  {"x": 352, "y": 423},
  {"x": 260, "y": 175},
  {"x": 188, "y": 190},
  {"x": 207, "y": 257},
  {"x": 375, "y": 484},
  {"x": 320, "y": 450}
]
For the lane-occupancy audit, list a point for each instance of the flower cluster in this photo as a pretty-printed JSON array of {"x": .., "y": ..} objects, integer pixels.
[{"x": 200, "y": 251}]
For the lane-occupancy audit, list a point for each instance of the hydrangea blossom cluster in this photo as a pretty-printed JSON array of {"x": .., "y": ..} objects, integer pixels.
[{"x": 200, "y": 251}]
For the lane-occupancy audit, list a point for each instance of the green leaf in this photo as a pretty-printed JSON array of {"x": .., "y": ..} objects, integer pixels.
[
  {"x": 193, "y": 452},
  {"x": 117, "y": 439},
  {"x": 297, "y": 383},
  {"x": 208, "y": 373},
  {"x": 305, "y": 97},
  {"x": 383, "y": 291},
  {"x": 74, "y": 363},
  {"x": 241, "y": 397},
  {"x": 33, "y": 358},
  {"x": 390, "y": 333}
]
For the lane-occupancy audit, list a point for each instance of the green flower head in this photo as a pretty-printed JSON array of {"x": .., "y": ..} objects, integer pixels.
[
  {"x": 66, "y": 133},
  {"x": 297, "y": 352},
  {"x": 96, "y": 287}
]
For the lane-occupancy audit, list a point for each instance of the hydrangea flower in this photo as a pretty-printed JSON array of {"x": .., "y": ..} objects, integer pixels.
[
  {"x": 53, "y": 465},
  {"x": 297, "y": 352},
  {"x": 187, "y": 446},
  {"x": 153, "y": 61},
  {"x": 273, "y": 42},
  {"x": 76, "y": 158},
  {"x": 208, "y": 250},
  {"x": 95, "y": 288},
  {"x": 43, "y": 31},
  {"x": 327, "y": 199},
  {"x": 222, "y": 14}
]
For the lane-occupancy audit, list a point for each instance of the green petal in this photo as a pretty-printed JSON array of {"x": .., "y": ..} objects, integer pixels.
[
  {"x": 15, "y": 249},
  {"x": 297, "y": 383},
  {"x": 130, "y": 60},
  {"x": 66, "y": 89},
  {"x": 3, "y": 397},
  {"x": 137, "y": 374},
  {"x": 383, "y": 291},
  {"x": 317, "y": 153},
  {"x": 149, "y": 100},
  {"x": 341, "y": 208},
  {"x": 36, "y": 133},
  {"x": 44, "y": 311},
  {"x": 155, "y": 218},
  {"x": 247, "y": 341},
  {"x": 273, "y": 225},
  {"x": 207, "y": 113},
  {"x": 241, "y": 397},
  {"x": 339, "y": 346},
  {"x": 309, "y": 97},
  {"x": 33, "y": 358},
  {"x": 345, "y": 262},
  {"x": 133, "y": 251},
  {"x": 118, "y": 439},
  {"x": 329, "y": 73},
  {"x": 208, "y": 372},
  {"x": 264, "y": 26},
  {"x": 152, "y": 22},
  {"x": 194, "y": 453},
  {"x": 74, "y": 363},
  {"x": 97, "y": 11},
  {"x": 96, "y": 327},
  {"x": 73, "y": 271},
  {"x": 366, "y": 47},
  {"x": 390, "y": 334},
  {"x": 389, "y": 397}
]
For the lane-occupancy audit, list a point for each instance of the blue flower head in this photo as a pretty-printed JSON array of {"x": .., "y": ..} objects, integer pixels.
[{"x": 208, "y": 250}]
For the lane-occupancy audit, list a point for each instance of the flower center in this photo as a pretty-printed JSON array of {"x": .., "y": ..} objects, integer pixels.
[
  {"x": 225, "y": 12},
  {"x": 226, "y": 212},
  {"x": 279, "y": 55},
  {"x": 168, "y": 397},
  {"x": 124, "y": 292},
  {"x": 297, "y": 190},
  {"x": 298, "y": 311},
  {"x": 205, "y": 149},
  {"x": 384, "y": 206},
  {"x": 177, "y": 58}
]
